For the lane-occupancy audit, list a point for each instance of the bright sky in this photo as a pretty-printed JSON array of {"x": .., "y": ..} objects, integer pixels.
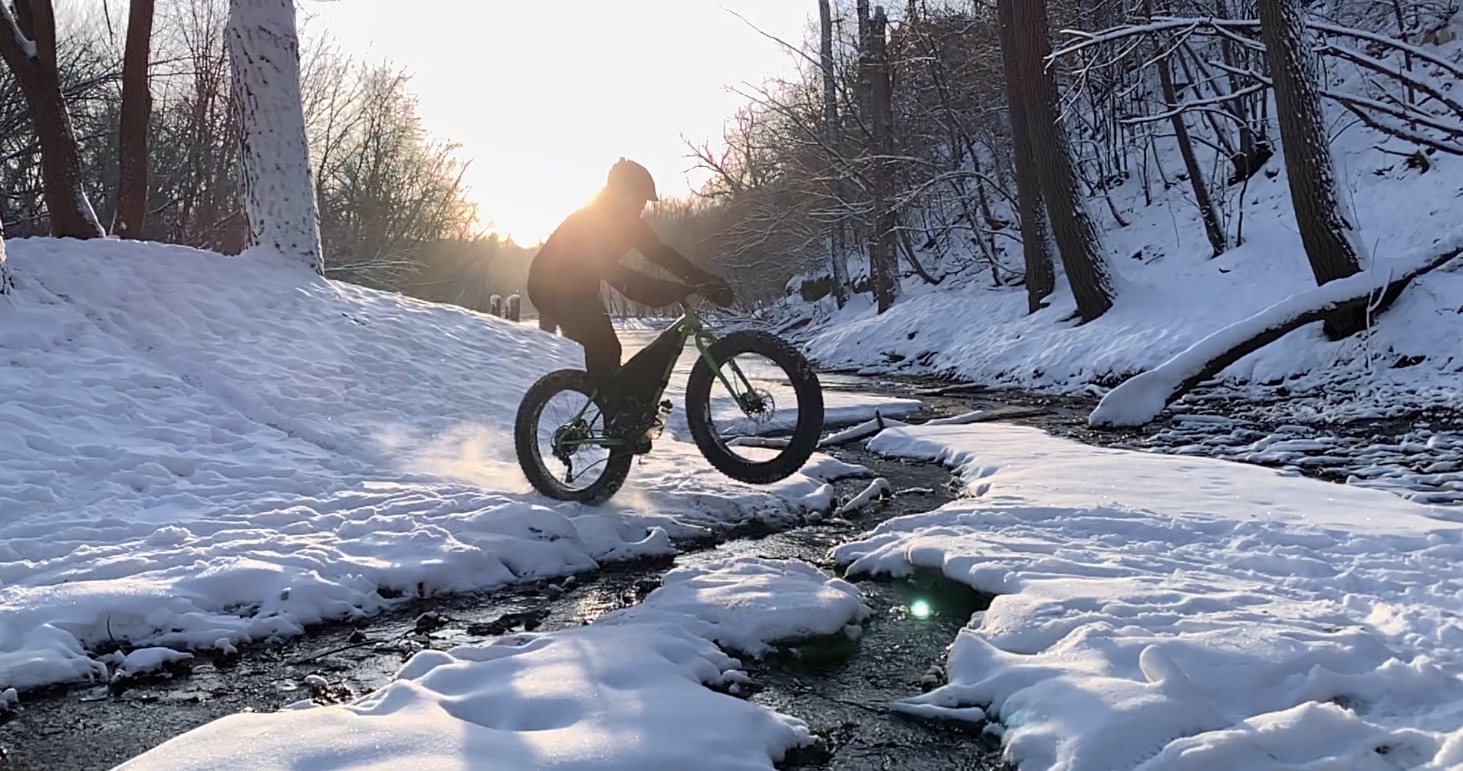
[{"x": 544, "y": 95}]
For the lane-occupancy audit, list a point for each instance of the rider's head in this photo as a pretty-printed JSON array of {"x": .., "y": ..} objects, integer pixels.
[{"x": 629, "y": 187}]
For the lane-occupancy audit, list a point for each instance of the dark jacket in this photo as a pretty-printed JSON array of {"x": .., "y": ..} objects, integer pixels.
[{"x": 586, "y": 250}]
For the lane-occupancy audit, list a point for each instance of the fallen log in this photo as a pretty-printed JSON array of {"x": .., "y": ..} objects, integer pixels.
[
  {"x": 867, "y": 428},
  {"x": 1139, "y": 399}
]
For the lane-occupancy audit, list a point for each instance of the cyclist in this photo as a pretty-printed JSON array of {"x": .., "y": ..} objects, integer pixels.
[{"x": 584, "y": 252}]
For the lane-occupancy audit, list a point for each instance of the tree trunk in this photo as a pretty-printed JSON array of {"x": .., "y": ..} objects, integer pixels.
[
  {"x": 132, "y": 169},
  {"x": 1086, "y": 263},
  {"x": 279, "y": 197},
  {"x": 1035, "y": 236},
  {"x": 883, "y": 259},
  {"x": 28, "y": 46},
  {"x": 6, "y": 282},
  {"x": 838, "y": 267},
  {"x": 1207, "y": 211},
  {"x": 1327, "y": 227}
]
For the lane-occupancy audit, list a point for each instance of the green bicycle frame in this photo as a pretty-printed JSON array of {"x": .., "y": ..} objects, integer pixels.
[{"x": 687, "y": 327}]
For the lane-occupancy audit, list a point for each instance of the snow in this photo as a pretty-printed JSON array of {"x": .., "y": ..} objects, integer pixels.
[
  {"x": 876, "y": 488},
  {"x": 198, "y": 451},
  {"x": 1177, "y": 295},
  {"x": 1139, "y": 399},
  {"x": 279, "y": 196},
  {"x": 746, "y": 604},
  {"x": 1164, "y": 612},
  {"x": 145, "y": 660},
  {"x": 626, "y": 692},
  {"x": 831, "y": 469},
  {"x": 611, "y": 696}
]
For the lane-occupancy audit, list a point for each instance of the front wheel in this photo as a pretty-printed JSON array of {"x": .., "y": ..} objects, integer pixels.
[
  {"x": 560, "y": 439},
  {"x": 773, "y": 412}
]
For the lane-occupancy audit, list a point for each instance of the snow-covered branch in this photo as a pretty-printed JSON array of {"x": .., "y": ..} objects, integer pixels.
[{"x": 16, "y": 41}]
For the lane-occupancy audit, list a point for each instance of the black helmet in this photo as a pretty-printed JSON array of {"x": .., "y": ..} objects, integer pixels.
[{"x": 631, "y": 178}]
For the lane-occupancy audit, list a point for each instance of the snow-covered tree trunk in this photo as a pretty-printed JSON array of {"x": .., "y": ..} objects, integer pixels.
[
  {"x": 279, "y": 197},
  {"x": 1139, "y": 399},
  {"x": 1327, "y": 226},
  {"x": 5, "y": 280},
  {"x": 1093, "y": 280},
  {"x": 1035, "y": 235}
]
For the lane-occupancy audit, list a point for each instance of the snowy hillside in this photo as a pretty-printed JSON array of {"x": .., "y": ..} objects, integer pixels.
[
  {"x": 201, "y": 450},
  {"x": 1174, "y": 294}
]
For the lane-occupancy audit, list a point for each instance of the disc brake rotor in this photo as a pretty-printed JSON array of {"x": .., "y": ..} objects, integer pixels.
[{"x": 759, "y": 405}]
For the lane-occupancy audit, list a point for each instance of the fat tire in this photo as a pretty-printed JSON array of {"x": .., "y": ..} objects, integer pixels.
[
  {"x": 805, "y": 384},
  {"x": 525, "y": 442}
]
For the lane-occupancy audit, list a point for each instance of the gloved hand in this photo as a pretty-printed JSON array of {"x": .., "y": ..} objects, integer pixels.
[{"x": 715, "y": 289}]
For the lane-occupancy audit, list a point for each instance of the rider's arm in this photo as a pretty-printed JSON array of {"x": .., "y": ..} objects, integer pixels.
[
  {"x": 643, "y": 288},
  {"x": 657, "y": 251}
]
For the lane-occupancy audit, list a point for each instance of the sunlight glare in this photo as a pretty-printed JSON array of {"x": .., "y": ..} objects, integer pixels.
[{"x": 544, "y": 96}]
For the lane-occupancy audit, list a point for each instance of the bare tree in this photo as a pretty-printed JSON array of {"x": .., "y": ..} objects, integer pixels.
[
  {"x": 838, "y": 265},
  {"x": 28, "y": 46},
  {"x": 1328, "y": 229},
  {"x": 279, "y": 198},
  {"x": 132, "y": 150},
  {"x": 883, "y": 260},
  {"x": 1035, "y": 236},
  {"x": 1076, "y": 235},
  {"x": 1208, "y": 212},
  {"x": 389, "y": 191}
]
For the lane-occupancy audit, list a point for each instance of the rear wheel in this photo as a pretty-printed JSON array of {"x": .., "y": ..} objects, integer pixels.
[
  {"x": 769, "y": 427},
  {"x": 558, "y": 434}
]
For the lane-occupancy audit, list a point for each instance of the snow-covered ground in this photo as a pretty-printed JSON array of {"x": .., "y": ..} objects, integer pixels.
[
  {"x": 1151, "y": 612},
  {"x": 627, "y": 692},
  {"x": 199, "y": 450},
  {"x": 1162, "y": 612},
  {"x": 1174, "y": 295}
]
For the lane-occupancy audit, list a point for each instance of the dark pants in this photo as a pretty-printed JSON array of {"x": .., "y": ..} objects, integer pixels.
[{"x": 586, "y": 321}]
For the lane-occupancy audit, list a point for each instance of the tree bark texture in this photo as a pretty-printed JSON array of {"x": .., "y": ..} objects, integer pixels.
[
  {"x": 28, "y": 46},
  {"x": 1035, "y": 236},
  {"x": 832, "y": 137},
  {"x": 132, "y": 150},
  {"x": 1327, "y": 226},
  {"x": 279, "y": 197},
  {"x": 883, "y": 257},
  {"x": 1076, "y": 235}
]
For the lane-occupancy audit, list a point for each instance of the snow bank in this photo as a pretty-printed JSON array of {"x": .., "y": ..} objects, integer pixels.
[
  {"x": 747, "y": 603},
  {"x": 626, "y": 692},
  {"x": 199, "y": 450},
  {"x": 1182, "y": 613},
  {"x": 627, "y": 696},
  {"x": 1140, "y": 399},
  {"x": 1176, "y": 296}
]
